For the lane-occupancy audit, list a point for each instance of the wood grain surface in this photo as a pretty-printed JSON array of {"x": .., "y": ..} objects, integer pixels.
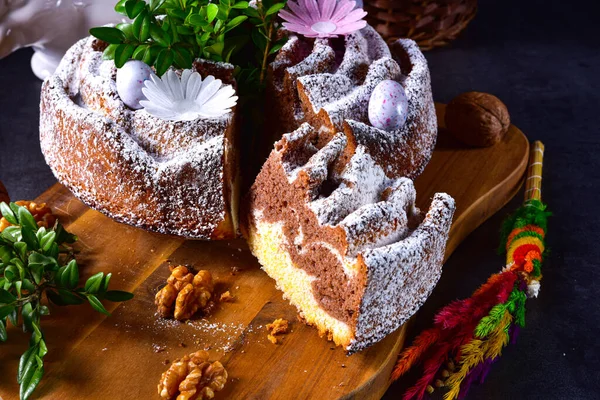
[{"x": 122, "y": 357}]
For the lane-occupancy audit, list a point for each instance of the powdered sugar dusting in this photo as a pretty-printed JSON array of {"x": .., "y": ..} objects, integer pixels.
[{"x": 169, "y": 177}]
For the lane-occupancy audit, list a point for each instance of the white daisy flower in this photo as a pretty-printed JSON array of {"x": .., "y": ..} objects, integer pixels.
[{"x": 186, "y": 99}]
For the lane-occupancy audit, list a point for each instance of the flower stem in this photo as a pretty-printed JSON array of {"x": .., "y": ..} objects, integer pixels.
[{"x": 263, "y": 69}]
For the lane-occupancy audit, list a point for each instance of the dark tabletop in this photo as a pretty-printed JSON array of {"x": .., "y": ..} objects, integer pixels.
[{"x": 542, "y": 58}]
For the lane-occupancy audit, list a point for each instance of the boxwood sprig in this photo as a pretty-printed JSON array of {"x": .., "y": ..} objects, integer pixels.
[
  {"x": 35, "y": 261},
  {"x": 166, "y": 33}
]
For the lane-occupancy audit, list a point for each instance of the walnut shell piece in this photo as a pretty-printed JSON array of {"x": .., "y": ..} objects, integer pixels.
[
  {"x": 184, "y": 294},
  {"x": 193, "y": 377},
  {"x": 477, "y": 119}
]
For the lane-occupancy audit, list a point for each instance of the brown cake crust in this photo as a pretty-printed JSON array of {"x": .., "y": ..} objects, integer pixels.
[{"x": 177, "y": 178}]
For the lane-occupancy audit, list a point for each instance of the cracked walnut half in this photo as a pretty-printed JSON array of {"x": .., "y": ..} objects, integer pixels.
[
  {"x": 185, "y": 293},
  {"x": 192, "y": 377}
]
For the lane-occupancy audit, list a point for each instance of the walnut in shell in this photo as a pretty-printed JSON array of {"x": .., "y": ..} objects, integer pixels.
[
  {"x": 184, "y": 294},
  {"x": 192, "y": 377},
  {"x": 477, "y": 119}
]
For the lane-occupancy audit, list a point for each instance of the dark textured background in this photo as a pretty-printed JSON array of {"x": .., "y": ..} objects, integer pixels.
[{"x": 542, "y": 59}]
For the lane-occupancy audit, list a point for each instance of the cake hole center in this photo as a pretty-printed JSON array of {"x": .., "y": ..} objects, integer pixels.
[{"x": 324, "y": 27}]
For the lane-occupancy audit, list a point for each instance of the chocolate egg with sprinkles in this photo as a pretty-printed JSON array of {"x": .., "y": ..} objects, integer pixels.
[{"x": 388, "y": 106}]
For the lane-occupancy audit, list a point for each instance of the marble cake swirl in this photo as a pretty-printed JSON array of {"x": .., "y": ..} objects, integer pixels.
[
  {"x": 332, "y": 216},
  {"x": 177, "y": 178}
]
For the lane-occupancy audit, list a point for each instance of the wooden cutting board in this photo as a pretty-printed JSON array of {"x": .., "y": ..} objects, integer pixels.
[{"x": 122, "y": 357}]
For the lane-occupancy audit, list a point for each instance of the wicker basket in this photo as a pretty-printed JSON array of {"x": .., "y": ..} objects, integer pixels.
[{"x": 431, "y": 23}]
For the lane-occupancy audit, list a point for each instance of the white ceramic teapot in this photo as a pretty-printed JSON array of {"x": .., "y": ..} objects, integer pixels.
[{"x": 50, "y": 27}]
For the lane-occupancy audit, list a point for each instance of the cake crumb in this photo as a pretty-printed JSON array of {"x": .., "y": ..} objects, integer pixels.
[
  {"x": 182, "y": 344},
  {"x": 226, "y": 297},
  {"x": 166, "y": 361},
  {"x": 278, "y": 327}
]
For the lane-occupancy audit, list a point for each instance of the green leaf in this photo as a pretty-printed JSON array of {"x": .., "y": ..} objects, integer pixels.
[
  {"x": 278, "y": 45},
  {"x": 62, "y": 236},
  {"x": 235, "y": 22},
  {"x": 3, "y": 335},
  {"x": 123, "y": 54},
  {"x": 53, "y": 252},
  {"x": 140, "y": 52},
  {"x": 44, "y": 310},
  {"x": 26, "y": 361},
  {"x": 47, "y": 240},
  {"x": 163, "y": 61},
  {"x": 96, "y": 304},
  {"x": 275, "y": 8},
  {"x": 259, "y": 40},
  {"x": 21, "y": 248},
  {"x": 159, "y": 36},
  {"x": 185, "y": 30},
  {"x": 37, "y": 271},
  {"x": 26, "y": 220},
  {"x": 241, "y": 5},
  {"x": 127, "y": 29},
  {"x": 108, "y": 34},
  {"x": 6, "y": 297},
  {"x": 8, "y": 213},
  {"x": 70, "y": 276},
  {"x": 27, "y": 314},
  {"x": 216, "y": 48},
  {"x": 182, "y": 57},
  {"x": 211, "y": 12},
  {"x": 5, "y": 254},
  {"x": 150, "y": 56},
  {"x": 43, "y": 348},
  {"x": 11, "y": 273},
  {"x": 28, "y": 286},
  {"x": 251, "y": 12},
  {"x": 28, "y": 236},
  {"x": 155, "y": 4},
  {"x": 12, "y": 234},
  {"x": 109, "y": 52},
  {"x": 38, "y": 258},
  {"x": 94, "y": 282},
  {"x": 13, "y": 317},
  {"x": 118, "y": 296},
  {"x": 105, "y": 282},
  {"x": 6, "y": 310},
  {"x": 134, "y": 7},
  {"x": 31, "y": 380},
  {"x": 120, "y": 7},
  {"x": 141, "y": 26}
]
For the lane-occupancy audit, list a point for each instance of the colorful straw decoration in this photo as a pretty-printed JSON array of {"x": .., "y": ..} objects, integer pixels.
[{"x": 468, "y": 335}]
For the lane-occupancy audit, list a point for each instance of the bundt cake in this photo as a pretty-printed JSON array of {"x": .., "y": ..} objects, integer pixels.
[
  {"x": 177, "y": 178},
  {"x": 331, "y": 216}
]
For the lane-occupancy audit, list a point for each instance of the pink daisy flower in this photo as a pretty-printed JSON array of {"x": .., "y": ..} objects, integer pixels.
[{"x": 323, "y": 18}]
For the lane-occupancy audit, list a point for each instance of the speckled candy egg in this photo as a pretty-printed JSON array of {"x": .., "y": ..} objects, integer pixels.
[
  {"x": 388, "y": 106},
  {"x": 130, "y": 81}
]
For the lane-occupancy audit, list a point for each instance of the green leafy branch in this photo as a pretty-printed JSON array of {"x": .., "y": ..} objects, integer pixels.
[
  {"x": 35, "y": 261},
  {"x": 166, "y": 33}
]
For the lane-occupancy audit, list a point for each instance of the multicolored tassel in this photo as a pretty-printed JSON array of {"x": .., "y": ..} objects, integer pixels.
[{"x": 468, "y": 335}]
